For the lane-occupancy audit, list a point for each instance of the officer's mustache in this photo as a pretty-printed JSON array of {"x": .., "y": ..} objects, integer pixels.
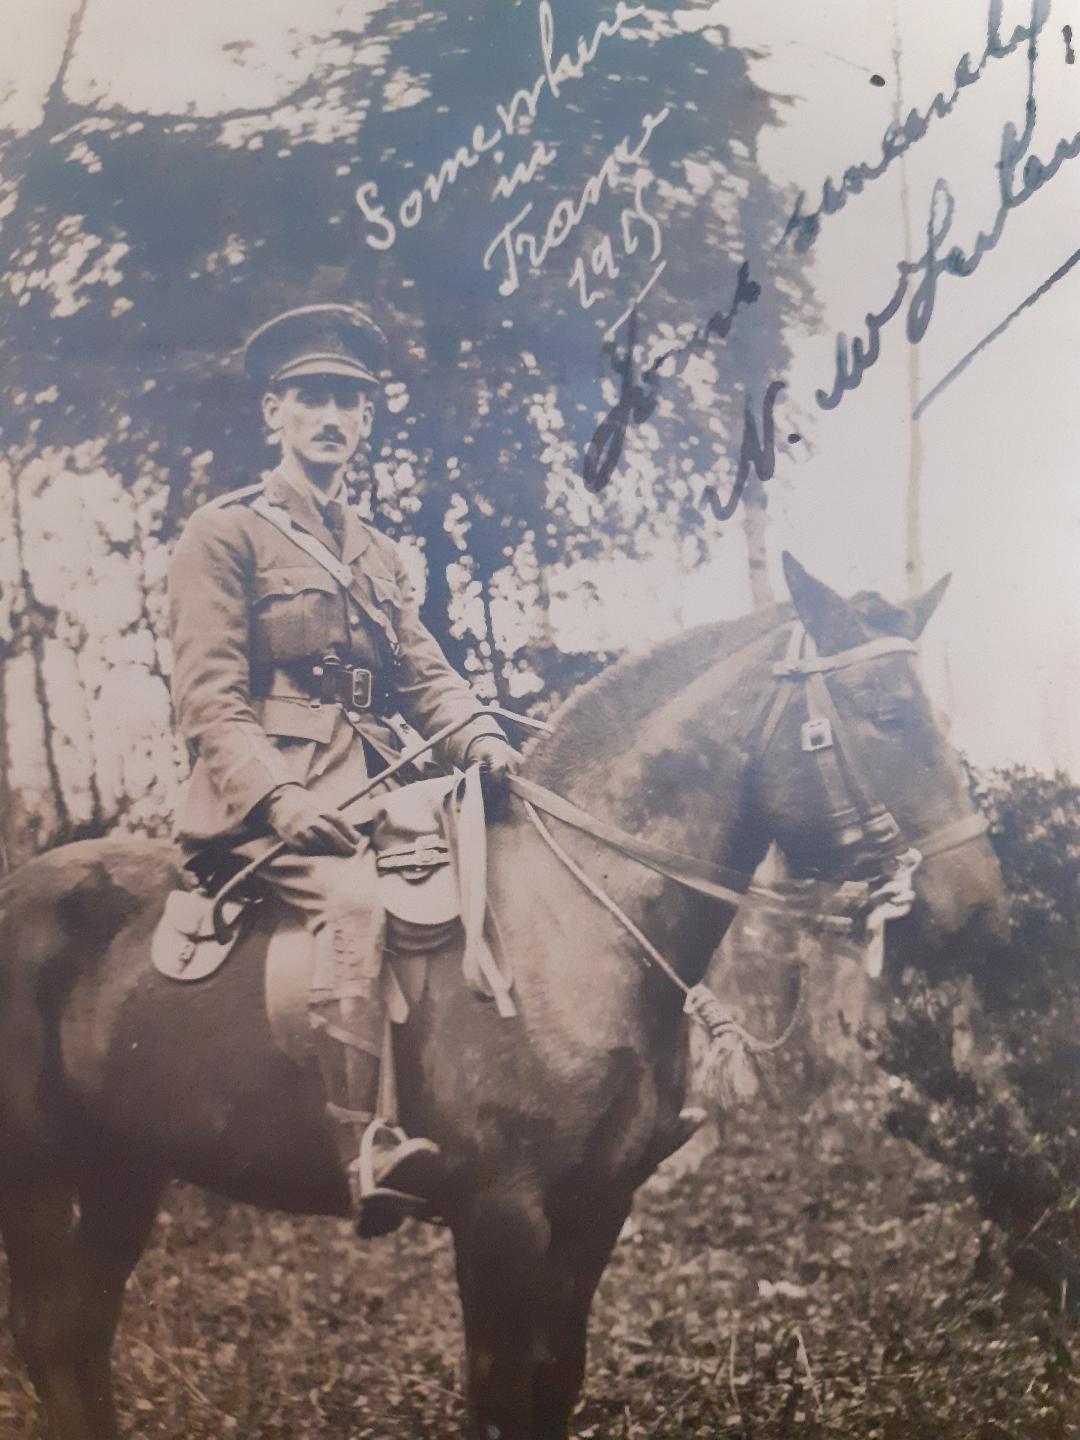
[{"x": 331, "y": 432}]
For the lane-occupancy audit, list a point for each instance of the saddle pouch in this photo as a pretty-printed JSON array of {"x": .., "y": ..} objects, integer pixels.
[
  {"x": 184, "y": 946},
  {"x": 417, "y": 882}
]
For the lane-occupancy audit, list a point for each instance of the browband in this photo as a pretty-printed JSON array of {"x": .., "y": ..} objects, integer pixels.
[{"x": 794, "y": 665}]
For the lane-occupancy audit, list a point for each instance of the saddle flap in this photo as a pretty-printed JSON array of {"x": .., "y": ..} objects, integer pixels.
[{"x": 184, "y": 946}]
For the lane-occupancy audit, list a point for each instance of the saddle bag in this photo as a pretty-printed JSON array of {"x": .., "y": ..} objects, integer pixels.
[
  {"x": 417, "y": 882},
  {"x": 184, "y": 946}
]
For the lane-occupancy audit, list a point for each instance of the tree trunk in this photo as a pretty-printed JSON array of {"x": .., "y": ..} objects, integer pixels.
[
  {"x": 502, "y": 693},
  {"x": 755, "y": 528},
  {"x": 913, "y": 559},
  {"x": 86, "y": 737}
]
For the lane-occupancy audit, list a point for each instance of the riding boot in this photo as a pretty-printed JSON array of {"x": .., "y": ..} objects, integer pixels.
[{"x": 390, "y": 1176}]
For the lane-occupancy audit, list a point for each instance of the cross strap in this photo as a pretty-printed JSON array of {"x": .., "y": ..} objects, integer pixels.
[{"x": 342, "y": 573}]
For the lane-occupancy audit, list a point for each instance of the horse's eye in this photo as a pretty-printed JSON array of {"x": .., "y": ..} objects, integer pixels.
[
  {"x": 885, "y": 710},
  {"x": 893, "y": 718}
]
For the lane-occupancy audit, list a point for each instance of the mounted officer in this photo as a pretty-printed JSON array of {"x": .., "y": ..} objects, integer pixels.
[{"x": 288, "y": 670}]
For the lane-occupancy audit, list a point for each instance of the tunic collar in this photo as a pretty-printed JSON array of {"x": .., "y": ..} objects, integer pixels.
[
  {"x": 307, "y": 509},
  {"x": 321, "y": 498}
]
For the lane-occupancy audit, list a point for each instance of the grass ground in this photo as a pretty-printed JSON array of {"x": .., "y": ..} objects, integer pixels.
[{"x": 810, "y": 1277}]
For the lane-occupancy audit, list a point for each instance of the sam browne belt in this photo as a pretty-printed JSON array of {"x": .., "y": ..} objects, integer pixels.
[{"x": 330, "y": 682}]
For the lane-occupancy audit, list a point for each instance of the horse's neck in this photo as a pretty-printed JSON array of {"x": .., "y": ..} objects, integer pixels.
[{"x": 678, "y": 778}]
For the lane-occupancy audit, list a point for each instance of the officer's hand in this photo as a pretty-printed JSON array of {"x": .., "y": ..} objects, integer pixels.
[
  {"x": 498, "y": 760},
  {"x": 304, "y": 825}
]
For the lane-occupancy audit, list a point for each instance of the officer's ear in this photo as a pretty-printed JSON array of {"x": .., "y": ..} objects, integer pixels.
[
  {"x": 271, "y": 413},
  {"x": 367, "y": 413}
]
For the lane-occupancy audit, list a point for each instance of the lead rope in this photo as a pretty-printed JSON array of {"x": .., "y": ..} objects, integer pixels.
[{"x": 728, "y": 1070}]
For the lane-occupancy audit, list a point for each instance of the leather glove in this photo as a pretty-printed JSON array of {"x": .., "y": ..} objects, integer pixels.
[
  {"x": 498, "y": 760},
  {"x": 302, "y": 822}
]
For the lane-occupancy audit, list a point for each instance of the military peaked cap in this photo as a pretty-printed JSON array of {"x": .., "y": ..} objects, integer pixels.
[{"x": 316, "y": 340}]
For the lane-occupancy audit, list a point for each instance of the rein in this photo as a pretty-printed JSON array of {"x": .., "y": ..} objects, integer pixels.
[{"x": 863, "y": 828}]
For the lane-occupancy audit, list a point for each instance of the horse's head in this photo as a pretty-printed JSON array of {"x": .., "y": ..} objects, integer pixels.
[{"x": 854, "y": 747}]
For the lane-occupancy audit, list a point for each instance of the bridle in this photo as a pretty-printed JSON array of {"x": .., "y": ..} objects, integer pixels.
[
  {"x": 877, "y": 862},
  {"x": 865, "y": 835}
]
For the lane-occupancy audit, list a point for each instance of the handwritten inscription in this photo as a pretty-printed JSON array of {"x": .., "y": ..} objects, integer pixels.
[
  {"x": 900, "y": 137},
  {"x": 513, "y": 241},
  {"x": 856, "y": 355},
  {"x": 512, "y": 116},
  {"x": 637, "y": 400}
]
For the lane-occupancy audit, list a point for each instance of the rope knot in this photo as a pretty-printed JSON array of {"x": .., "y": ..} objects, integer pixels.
[
  {"x": 728, "y": 1073},
  {"x": 716, "y": 1018}
]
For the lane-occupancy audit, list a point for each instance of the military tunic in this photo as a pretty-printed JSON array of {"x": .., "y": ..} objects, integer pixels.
[{"x": 252, "y": 615}]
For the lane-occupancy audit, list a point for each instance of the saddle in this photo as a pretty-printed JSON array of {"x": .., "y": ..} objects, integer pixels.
[{"x": 430, "y": 845}]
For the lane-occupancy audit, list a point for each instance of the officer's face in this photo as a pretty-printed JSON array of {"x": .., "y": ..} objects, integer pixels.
[{"x": 320, "y": 420}]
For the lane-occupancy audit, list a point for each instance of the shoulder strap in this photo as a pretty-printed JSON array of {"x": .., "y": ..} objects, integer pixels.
[
  {"x": 232, "y": 497},
  {"x": 318, "y": 552},
  {"x": 308, "y": 543}
]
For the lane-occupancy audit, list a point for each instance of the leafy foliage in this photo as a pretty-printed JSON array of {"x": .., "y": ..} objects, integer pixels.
[
  {"x": 992, "y": 1064},
  {"x": 139, "y": 248},
  {"x": 805, "y": 1279}
]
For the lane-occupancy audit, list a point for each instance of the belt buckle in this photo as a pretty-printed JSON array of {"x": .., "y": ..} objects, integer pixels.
[
  {"x": 816, "y": 735},
  {"x": 360, "y": 689}
]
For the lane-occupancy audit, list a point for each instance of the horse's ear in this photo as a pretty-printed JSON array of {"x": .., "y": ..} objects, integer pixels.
[
  {"x": 925, "y": 604},
  {"x": 828, "y": 618}
]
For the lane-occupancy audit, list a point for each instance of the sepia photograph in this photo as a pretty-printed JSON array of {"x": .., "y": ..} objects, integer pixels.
[{"x": 539, "y": 720}]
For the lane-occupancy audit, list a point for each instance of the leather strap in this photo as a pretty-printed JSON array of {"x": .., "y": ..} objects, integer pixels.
[
  {"x": 794, "y": 667},
  {"x": 310, "y": 688},
  {"x": 953, "y": 835},
  {"x": 715, "y": 881},
  {"x": 466, "y": 831},
  {"x": 317, "y": 551}
]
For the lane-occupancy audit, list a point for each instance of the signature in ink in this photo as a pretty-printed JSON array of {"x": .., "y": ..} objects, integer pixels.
[
  {"x": 637, "y": 401},
  {"x": 854, "y": 358},
  {"x": 901, "y": 136}
]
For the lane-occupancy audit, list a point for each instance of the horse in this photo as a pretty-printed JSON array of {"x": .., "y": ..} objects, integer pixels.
[{"x": 114, "y": 1080}]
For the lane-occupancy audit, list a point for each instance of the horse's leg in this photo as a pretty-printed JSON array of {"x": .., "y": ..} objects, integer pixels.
[
  {"x": 67, "y": 1284},
  {"x": 501, "y": 1246},
  {"x": 581, "y": 1246}
]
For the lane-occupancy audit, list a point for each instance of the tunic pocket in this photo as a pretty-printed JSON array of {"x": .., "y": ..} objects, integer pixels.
[
  {"x": 298, "y": 613},
  {"x": 385, "y": 601}
]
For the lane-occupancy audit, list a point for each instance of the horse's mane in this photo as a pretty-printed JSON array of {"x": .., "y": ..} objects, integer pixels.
[{"x": 598, "y": 716}]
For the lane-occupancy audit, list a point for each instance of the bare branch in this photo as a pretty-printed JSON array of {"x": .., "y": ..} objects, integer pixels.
[{"x": 55, "y": 99}]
